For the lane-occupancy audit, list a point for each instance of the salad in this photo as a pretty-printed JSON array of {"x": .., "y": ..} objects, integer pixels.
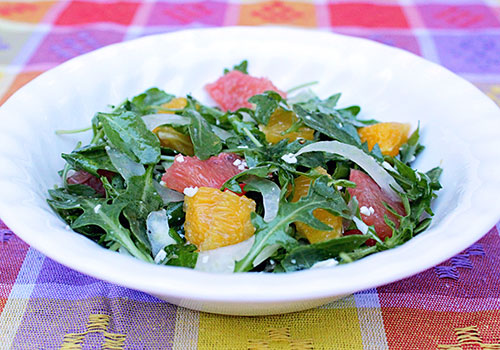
[{"x": 268, "y": 181}]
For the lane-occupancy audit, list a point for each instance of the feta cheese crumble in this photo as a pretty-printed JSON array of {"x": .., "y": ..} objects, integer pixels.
[
  {"x": 366, "y": 211},
  {"x": 325, "y": 263},
  {"x": 190, "y": 191},
  {"x": 179, "y": 158},
  {"x": 242, "y": 166},
  {"x": 289, "y": 158},
  {"x": 237, "y": 162}
]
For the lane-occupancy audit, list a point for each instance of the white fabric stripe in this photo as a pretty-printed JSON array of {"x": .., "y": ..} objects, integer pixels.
[
  {"x": 370, "y": 320},
  {"x": 186, "y": 329},
  {"x": 14, "y": 309},
  {"x": 422, "y": 34}
]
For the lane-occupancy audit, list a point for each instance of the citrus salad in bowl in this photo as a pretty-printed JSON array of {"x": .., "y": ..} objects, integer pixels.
[{"x": 268, "y": 181}]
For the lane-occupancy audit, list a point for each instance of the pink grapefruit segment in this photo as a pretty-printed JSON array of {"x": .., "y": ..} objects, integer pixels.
[
  {"x": 233, "y": 90},
  {"x": 370, "y": 195},
  {"x": 193, "y": 172}
]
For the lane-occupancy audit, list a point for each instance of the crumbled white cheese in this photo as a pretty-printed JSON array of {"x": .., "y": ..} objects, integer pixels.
[
  {"x": 339, "y": 188},
  {"x": 325, "y": 263},
  {"x": 237, "y": 162},
  {"x": 366, "y": 211},
  {"x": 293, "y": 261},
  {"x": 97, "y": 208},
  {"x": 179, "y": 158},
  {"x": 162, "y": 183},
  {"x": 387, "y": 166},
  {"x": 190, "y": 191},
  {"x": 244, "y": 147},
  {"x": 242, "y": 166},
  {"x": 289, "y": 158}
]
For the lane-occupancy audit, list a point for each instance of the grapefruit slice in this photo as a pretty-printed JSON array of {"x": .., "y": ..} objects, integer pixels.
[
  {"x": 192, "y": 172},
  {"x": 371, "y": 197},
  {"x": 232, "y": 91}
]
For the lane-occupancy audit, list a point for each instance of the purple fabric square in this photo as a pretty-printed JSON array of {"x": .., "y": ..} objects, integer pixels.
[
  {"x": 208, "y": 13},
  {"x": 403, "y": 41},
  {"x": 59, "y": 47},
  {"x": 469, "y": 53},
  {"x": 53, "y": 272},
  {"x": 455, "y": 285},
  {"x": 463, "y": 16}
]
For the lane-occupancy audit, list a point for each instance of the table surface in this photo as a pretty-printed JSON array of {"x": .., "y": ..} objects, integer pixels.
[{"x": 44, "y": 305}]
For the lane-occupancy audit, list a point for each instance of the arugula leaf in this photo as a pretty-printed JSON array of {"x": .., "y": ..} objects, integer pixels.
[
  {"x": 265, "y": 105},
  {"x": 205, "y": 142},
  {"x": 328, "y": 125},
  {"x": 152, "y": 97},
  {"x": 305, "y": 256},
  {"x": 320, "y": 195},
  {"x": 242, "y": 67},
  {"x": 184, "y": 255},
  {"x": 91, "y": 158},
  {"x": 98, "y": 212},
  {"x": 411, "y": 148},
  {"x": 140, "y": 198},
  {"x": 128, "y": 133}
]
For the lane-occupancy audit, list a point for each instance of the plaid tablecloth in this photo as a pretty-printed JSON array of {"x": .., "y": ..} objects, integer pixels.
[{"x": 44, "y": 305}]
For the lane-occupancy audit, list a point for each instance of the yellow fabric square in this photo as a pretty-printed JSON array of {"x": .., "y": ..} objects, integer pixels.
[
  {"x": 278, "y": 12},
  {"x": 491, "y": 90},
  {"x": 318, "y": 329},
  {"x": 29, "y": 12}
]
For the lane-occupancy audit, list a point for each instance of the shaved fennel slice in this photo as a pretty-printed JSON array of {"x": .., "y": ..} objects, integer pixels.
[
  {"x": 125, "y": 166},
  {"x": 270, "y": 196},
  {"x": 157, "y": 230},
  {"x": 223, "y": 260},
  {"x": 366, "y": 162},
  {"x": 168, "y": 195},
  {"x": 221, "y": 133},
  {"x": 265, "y": 253},
  {"x": 153, "y": 121}
]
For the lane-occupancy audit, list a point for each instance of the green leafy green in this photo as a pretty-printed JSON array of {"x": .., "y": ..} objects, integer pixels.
[
  {"x": 321, "y": 195},
  {"x": 205, "y": 142},
  {"x": 411, "y": 148},
  {"x": 90, "y": 158},
  {"x": 180, "y": 254},
  {"x": 305, "y": 256},
  {"x": 265, "y": 105},
  {"x": 242, "y": 67},
  {"x": 128, "y": 133}
]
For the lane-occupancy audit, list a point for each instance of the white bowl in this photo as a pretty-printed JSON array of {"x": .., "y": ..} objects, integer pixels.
[{"x": 459, "y": 126}]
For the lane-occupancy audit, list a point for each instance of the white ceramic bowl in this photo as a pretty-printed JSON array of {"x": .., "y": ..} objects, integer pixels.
[{"x": 459, "y": 126}]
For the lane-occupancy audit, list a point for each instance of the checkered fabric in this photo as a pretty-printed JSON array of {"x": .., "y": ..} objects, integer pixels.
[{"x": 44, "y": 305}]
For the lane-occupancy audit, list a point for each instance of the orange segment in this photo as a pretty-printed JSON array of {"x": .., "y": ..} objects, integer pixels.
[
  {"x": 302, "y": 184},
  {"x": 171, "y": 138},
  {"x": 281, "y": 121},
  {"x": 175, "y": 103},
  {"x": 216, "y": 219},
  {"x": 389, "y": 136}
]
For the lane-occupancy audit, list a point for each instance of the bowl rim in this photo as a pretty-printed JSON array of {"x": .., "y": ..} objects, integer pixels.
[{"x": 185, "y": 283}]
